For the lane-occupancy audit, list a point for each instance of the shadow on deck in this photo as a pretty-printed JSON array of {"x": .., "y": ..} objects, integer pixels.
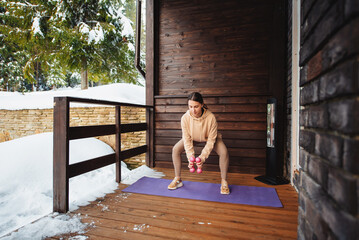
[{"x": 135, "y": 216}]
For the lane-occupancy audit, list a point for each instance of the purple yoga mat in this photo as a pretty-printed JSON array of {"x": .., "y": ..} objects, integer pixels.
[{"x": 258, "y": 196}]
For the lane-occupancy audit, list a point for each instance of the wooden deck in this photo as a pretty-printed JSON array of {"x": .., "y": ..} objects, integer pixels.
[{"x": 135, "y": 216}]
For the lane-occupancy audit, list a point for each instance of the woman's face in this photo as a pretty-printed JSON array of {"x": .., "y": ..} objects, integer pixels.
[{"x": 195, "y": 108}]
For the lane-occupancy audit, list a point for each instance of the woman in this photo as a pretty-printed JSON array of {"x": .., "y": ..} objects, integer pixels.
[{"x": 199, "y": 125}]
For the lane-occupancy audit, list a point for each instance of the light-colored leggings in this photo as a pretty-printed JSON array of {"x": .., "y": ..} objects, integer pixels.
[{"x": 219, "y": 147}]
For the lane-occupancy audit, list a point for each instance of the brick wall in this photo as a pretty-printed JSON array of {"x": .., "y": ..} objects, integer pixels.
[
  {"x": 20, "y": 123},
  {"x": 329, "y": 135}
]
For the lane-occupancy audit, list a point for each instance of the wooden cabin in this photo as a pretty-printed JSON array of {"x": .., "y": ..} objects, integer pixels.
[
  {"x": 233, "y": 53},
  {"x": 238, "y": 54}
]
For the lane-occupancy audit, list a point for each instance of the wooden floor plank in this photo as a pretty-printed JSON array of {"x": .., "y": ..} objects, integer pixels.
[
  {"x": 117, "y": 233},
  {"x": 217, "y": 214},
  {"x": 184, "y": 206},
  {"x": 198, "y": 225},
  {"x": 231, "y": 223},
  {"x": 149, "y": 231},
  {"x": 121, "y": 215}
]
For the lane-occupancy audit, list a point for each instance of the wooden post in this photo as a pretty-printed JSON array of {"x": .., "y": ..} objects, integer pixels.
[
  {"x": 152, "y": 63},
  {"x": 150, "y": 52},
  {"x": 61, "y": 155},
  {"x": 118, "y": 143},
  {"x": 149, "y": 137}
]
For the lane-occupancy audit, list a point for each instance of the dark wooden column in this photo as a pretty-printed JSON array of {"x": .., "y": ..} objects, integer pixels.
[
  {"x": 150, "y": 52},
  {"x": 151, "y": 74},
  {"x": 118, "y": 143},
  {"x": 61, "y": 155},
  {"x": 150, "y": 137}
]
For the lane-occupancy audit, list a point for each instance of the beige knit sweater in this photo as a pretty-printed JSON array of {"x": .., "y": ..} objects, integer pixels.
[{"x": 202, "y": 129}]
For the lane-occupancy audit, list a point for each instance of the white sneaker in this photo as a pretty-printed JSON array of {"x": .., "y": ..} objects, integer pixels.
[{"x": 175, "y": 184}]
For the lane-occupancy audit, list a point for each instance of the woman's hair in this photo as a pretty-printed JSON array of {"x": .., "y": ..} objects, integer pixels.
[{"x": 196, "y": 96}]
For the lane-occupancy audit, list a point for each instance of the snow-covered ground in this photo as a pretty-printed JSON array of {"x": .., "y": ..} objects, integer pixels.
[
  {"x": 26, "y": 169},
  {"x": 118, "y": 92}
]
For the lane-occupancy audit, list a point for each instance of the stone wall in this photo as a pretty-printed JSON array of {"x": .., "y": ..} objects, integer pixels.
[
  {"x": 329, "y": 135},
  {"x": 20, "y": 123}
]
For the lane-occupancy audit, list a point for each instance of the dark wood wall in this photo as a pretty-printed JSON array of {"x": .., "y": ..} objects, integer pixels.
[
  {"x": 215, "y": 47},
  {"x": 223, "y": 50}
]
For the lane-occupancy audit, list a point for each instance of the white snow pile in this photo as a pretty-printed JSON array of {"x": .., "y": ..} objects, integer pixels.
[
  {"x": 51, "y": 225},
  {"x": 26, "y": 185},
  {"x": 118, "y": 92}
]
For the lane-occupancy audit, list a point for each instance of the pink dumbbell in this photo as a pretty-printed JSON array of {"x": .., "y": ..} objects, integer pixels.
[
  {"x": 192, "y": 159},
  {"x": 198, "y": 160}
]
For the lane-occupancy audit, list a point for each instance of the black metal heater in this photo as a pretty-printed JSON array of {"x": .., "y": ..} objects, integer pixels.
[{"x": 273, "y": 175}]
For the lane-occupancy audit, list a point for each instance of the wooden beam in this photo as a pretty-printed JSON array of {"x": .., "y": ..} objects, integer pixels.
[
  {"x": 103, "y": 102},
  {"x": 133, "y": 152},
  {"x": 101, "y": 130},
  {"x": 150, "y": 138},
  {"x": 150, "y": 52},
  {"x": 118, "y": 143},
  {"x": 206, "y": 96},
  {"x": 61, "y": 155},
  {"x": 95, "y": 163},
  {"x": 91, "y": 131},
  {"x": 133, "y": 127},
  {"x": 90, "y": 165}
]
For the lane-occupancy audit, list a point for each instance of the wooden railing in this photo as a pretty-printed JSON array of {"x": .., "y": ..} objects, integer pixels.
[{"x": 63, "y": 133}]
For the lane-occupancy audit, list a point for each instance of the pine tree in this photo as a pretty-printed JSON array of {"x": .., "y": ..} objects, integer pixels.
[
  {"x": 93, "y": 42},
  {"x": 88, "y": 36},
  {"x": 10, "y": 68},
  {"x": 24, "y": 24},
  {"x": 11, "y": 65}
]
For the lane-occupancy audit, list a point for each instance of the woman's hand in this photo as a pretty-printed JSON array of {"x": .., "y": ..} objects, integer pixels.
[
  {"x": 190, "y": 165},
  {"x": 191, "y": 161},
  {"x": 199, "y": 162}
]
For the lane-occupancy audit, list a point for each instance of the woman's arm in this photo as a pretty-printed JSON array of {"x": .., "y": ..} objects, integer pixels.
[
  {"x": 212, "y": 136},
  {"x": 187, "y": 138}
]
